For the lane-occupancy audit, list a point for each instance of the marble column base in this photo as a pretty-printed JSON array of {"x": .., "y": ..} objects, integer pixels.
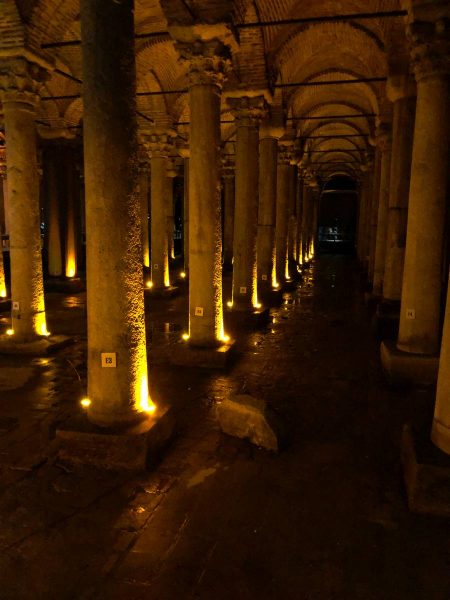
[
  {"x": 405, "y": 368},
  {"x": 426, "y": 471},
  {"x": 186, "y": 355},
  {"x": 39, "y": 347},
  {"x": 131, "y": 448}
]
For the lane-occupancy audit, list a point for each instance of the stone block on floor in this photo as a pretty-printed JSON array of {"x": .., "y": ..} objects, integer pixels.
[
  {"x": 186, "y": 355},
  {"x": 426, "y": 471},
  {"x": 39, "y": 347},
  {"x": 130, "y": 449},
  {"x": 246, "y": 417},
  {"x": 404, "y": 368}
]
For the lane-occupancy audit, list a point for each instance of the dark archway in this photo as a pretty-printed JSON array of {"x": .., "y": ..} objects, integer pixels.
[{"x": 338, "y": 216}]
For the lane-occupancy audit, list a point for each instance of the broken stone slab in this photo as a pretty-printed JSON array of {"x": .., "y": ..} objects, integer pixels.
[{"x": 247, "y": 417}]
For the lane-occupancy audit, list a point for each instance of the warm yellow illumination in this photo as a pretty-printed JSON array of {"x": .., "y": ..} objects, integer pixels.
[
  {"x": 185, "y": 337},
  {"x": 85, "y": 403},
  {"x": 145, "y": 404},
  {"x": 230, "y": 304},
  {"x": 3, "y": 292},
  {"x": 44, "y": 331},
  {"x": 276, "y": 285},
  {"x": 183, "y": 275},
  {"x": 10, "y": 332},
  {"x": 149, "y": 284},
  {"x": 257, "y": 305},
  {"x": 225, "y": 338},
  {"x": 70, "y": 266}
]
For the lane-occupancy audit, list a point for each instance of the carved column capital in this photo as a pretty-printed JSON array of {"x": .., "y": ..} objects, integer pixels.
[
  {"x": 248, "y": 111},
  {"x": 430, "y": 48},
  {"x": 159, "y": 143},
  {"x": 21, "y": 81},
  {"x": 209, "y": 61}
]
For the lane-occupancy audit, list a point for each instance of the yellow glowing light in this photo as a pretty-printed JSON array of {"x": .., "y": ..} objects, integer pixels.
[
  {"x": 225, "y": 338},
  {"x": 146, "y": 404},
  {"x": 10, "y": 332},
  {"x": 85, "y": 403},
  {"x": 71, "y": 265},
  {"x": 183, "y": 275},
  {"x": 257, "y": 305},
  {"x": 185, "y": 337},
  {"x": 276, "y": 285},
  {"x": 149, "y": 284},
  {"x": 3, "y": 292},
  {"x": 44, "y": 331},
  {"x": 230, "y": 304}
]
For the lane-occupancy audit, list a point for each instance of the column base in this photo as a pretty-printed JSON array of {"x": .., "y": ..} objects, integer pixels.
[
  {"x": 426, "y": 471},
  {"x": 186, "y": 355},
  {"x": 39, "y": 347},
  {"x": 167, "y": 292},
  {"x": 404, "y": 368},
  {"x": 5, "y": 305},
  {"x": 387, "y": 320},
  {"x": 246, "y": 319},
  {"x": 62, "y": 285},
  {"x": 290, "y": 285},
  {"x": 132, "y": 448}
]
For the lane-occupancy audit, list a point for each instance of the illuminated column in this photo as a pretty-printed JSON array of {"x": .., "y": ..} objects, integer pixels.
[
  {"x": 440, "y": 433},
  {"x": 228, "y": 217},
  {"x": 306, "y": 212},
  {"x": 268, "y": 160},
  {"x": 315, "y": 219},
  {"x": 171, "y": 174},
  {"x": 159, "y": 144},
  {"x": 401, "y": 91},
  {"x": 384, "y": 141},
  {"x": 3, "y": 291},
  {"x": 420, "y": 313},
  {"x": 373, "y": 214},
  {"x": 72, "y": 208},
  {"x": 184, "y": 152},
  {"x": 247, "y": 111},
  {"x": 143, "y": 193},
  {"x": 115, "y": 298},
  {"x": 281, "y": 227},
  {"x": 299, "y": 217},
  {"x": 292, "y": 223},
  {"x": 55, "y": 267},
  {"x": 19, "y": 83}
]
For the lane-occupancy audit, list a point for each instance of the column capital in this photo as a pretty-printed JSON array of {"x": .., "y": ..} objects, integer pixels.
[
  {"x": 209, "y": 61},
  {"x": 400, "y": 86},
  {"x": 21, "y": 81},
  {"x": 248, "y": 111},
  {"x": 227, "y": 167},
  {"x": 430, "y": 48},
  {"x": 383, "y": 136},
  {"x": 184, "y": 151},
  {"x": 159, "y": 143}
]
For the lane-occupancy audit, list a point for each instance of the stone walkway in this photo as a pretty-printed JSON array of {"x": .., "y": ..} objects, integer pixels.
[{"x": 217, "y": 518}]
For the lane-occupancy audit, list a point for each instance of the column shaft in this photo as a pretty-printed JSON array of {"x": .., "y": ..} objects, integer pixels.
[
  {"x": 53, "y": 189},
  {"x": 72, "y": 216},
  {"x": 383, "y": 203},
  {"x": 160, "y": 243},
  {"x": 170, "y": 218},
  {"x": 281, "y": 229},
  {"x": 268, "y": 149},
  {"x": 373, "y": 217},
  {"x": 228, "y": 219},
  {"x": 143, "y": 192}
]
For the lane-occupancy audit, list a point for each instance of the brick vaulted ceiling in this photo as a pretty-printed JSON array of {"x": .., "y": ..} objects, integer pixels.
[{"x": 276, "y": 54}]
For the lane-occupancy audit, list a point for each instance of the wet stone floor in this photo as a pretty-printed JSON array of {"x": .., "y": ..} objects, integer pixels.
[{"x": 217, "y": 518}]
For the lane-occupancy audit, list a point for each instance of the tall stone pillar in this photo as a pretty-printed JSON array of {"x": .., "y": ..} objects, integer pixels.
[
  {"x": 19, "y": 84},
  {"x": 315, "y": 221},
  {"x": 420, "y": 314},
  {"x": 207, "y": 63},
  {"x": 115, "y": 298},
  {"x": 3, "y": 290},
  {"x": 144, "y": 173},
  {"x": 384, "y": 141},
  {"x": 362, "y": 215},
  {"x": 171, "y": 174},
  {"x": 292, "y": 223},
  {"x": 248, "y": 112},
  {"x": 52, "y": 168},
  {"x": 401, "y": 91},
  {"x": 299, "y": 218},
  {"x": 185, "y": 154},
  {"x": 284, "y": 172},
  {"x": 268, "y": 159},
  {"x": 159, "y": 144},
  {"x": 228, "y": 176},
  {"x": 306, "y": 220},
  {"x": 440, "y": 433},
  {"x": 72, "y": 217},
  {"x": 373, "y": 214}
]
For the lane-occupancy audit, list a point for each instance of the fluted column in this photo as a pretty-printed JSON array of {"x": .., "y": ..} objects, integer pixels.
[
  {"x": 159, "y": 144},
  {"x": 384, "y": 141},
  {"x": 19, "y": 84},
  {"x": 228, "y": 176},
  {"x": 402, "y": 92},
  {"x": 420, "y": 314},
  {"x": 268, "y": 158},
  {"x": 207, "y": 64},
  {"x": 115, "y": 298},
  {"x": 248, "y": 112},
  {"x": 284, "y": 172}
]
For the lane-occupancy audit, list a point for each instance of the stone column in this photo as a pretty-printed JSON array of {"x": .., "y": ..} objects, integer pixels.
[
  {"x": 292, "y": 223},
  {"x": 3, "y": 290},
  {"x": 373, "y": 214},
  {"x": 248, "y": 111},
  {"x": 144, "y": 173},
  {"x": 420, "y": 313},
  {"x": 185, "y": 154},
  {"x": 384, "y": 141},
  {"x": 268, "y": 159},
  {"x": 159, "y": 144},
  {"x": 72, "y": 216},
  {"x": 402, "y": 93},
  {"x": 207, "y": 63},
  {"x": 299, "y": 218},
  {"x": 306, "y": 219},
  {"x": 171, "y": 174},
  {"x": 284, "y": 172},
  {"x": 19, "y": 83},
  {"x": 115, "y": 297},
  {"x": 53, "y": 191},
  {"x": 315, "y": 221},
  {"x": 228, "y": 217},
  {"x": 440, "y": 433}
]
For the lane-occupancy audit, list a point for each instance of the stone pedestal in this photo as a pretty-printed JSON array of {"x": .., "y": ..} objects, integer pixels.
[{"x": 406, "y": 368}]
